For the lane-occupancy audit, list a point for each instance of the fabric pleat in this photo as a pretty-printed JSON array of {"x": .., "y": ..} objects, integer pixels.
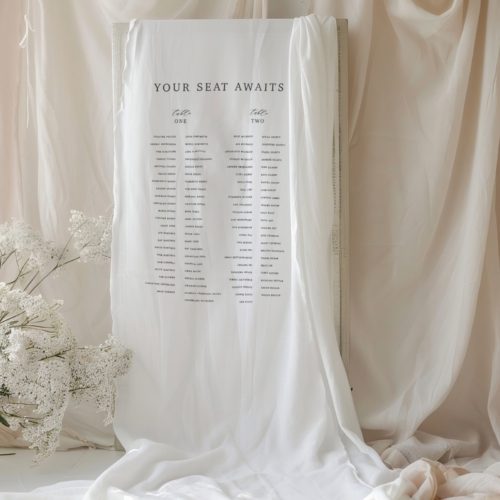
[
  {"x": 424, "y": 138},
  {"x": 424, "y": 128}
]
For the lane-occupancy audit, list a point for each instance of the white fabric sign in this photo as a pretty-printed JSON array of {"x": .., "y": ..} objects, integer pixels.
[
  {"x": 222, "y": 260},
  {"x": 423, "y": 131},
  {"x": 203, "y": 209}
]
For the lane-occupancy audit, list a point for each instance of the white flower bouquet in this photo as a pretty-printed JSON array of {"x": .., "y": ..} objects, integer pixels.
[{"x": 42, "y": 368}]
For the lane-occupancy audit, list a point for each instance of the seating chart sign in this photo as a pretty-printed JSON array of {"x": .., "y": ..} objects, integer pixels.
[
  {"x": 204, "y": 287},
  {"x": 209, "y": 163},
  {"x": 216, "y": 158}
]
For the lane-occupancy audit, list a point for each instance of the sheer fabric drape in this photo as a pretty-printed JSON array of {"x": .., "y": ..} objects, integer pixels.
[
  {"x": 304, "y": 440},
  {"x": 424, "y": 137},
  {"x": 57, "y": 143}
]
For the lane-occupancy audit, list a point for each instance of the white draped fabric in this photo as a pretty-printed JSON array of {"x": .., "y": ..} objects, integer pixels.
[
  {"x": 424, "y": 129},
  {"x": 258, "y": 412},
  {"x": 287, "y": 428},
  {"x": 424, "y": 138},
  {"x": 57, "y": 145}
]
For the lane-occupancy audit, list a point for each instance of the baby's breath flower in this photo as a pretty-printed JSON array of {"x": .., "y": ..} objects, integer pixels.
[
  {"x": 93, "y": 371},
  {"x": 41, "y": 365},
  {"x": 29, "y": 248},
  {"x": 92, "y": 237}
]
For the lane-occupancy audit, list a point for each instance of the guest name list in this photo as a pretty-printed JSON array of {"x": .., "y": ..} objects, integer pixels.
[{"x": 220, "y": 204}]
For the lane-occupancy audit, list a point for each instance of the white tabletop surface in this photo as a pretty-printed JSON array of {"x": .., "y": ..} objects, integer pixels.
[{"x": 82, "y": 463}]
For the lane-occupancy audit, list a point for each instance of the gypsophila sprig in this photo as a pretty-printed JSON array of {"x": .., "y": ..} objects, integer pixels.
[
  {"x": 93, "y": 370},
  {"x": 42, "y": 368},
  {"x": 92, "y": 237}
]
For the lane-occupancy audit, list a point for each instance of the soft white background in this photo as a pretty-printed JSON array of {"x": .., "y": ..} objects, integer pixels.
[{"x": 424, "y": 135}]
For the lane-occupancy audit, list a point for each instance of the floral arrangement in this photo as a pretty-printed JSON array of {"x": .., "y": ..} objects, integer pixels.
[{"x": 42, "y": 368}]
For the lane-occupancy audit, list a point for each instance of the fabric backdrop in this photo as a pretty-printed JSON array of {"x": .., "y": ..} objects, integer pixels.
[
  {"x": 57, "y": 143},
  {"x": 424, "y": 138}
]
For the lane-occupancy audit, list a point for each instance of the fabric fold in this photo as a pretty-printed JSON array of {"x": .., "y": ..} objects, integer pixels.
[{"x": 217, "y": 412}]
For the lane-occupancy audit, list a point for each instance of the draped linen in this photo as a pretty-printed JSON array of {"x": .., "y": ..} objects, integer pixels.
[
  {"x": 281, "y": 426},
  {"x": 423, "y": 131},
  {"x": 424, "y": 138},
  {"x": 303, "y": 440},
  {"x": 57, "y": 146},
  {"x": 11, "y": 15}
]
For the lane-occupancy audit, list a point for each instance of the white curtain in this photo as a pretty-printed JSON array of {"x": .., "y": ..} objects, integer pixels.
[
  {"x": 424, "y": 128},
  {"x": 424, "y": 135},
  {"x": 57, "y": 143}
]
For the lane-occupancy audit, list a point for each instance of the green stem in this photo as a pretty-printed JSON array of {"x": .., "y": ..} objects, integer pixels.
[
  {"x": 30, "y": 327},
  {"x": 31, "y": 280},
  {"x": 50, "y": 272},
  {"x": 20, "y": 273},
  {"x": 11, "y": 317},
  {"x": 2, "y": 262},
  {"x": 22, "y": 404},
  {"x": 58, "y": 355}
]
